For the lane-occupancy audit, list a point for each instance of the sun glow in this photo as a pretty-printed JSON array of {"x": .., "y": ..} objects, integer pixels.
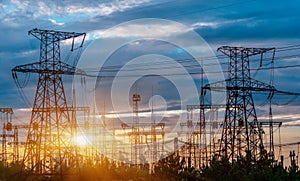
[{"x": 80, "y": 140}]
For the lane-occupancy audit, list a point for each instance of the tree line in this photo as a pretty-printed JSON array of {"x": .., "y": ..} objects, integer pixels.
[{"x": 171, "y": 168}]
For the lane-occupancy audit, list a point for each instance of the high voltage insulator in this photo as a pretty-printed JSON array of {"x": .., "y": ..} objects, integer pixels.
[{"x": 49, "y": 145}]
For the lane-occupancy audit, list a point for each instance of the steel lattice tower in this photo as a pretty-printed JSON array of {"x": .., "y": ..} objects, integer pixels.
[
  {"x": 241, "y": 134},
  {"x": 49, "y": 146},
  {"x": 7, "y": 155},
  {"x": 136, "y": 141}
]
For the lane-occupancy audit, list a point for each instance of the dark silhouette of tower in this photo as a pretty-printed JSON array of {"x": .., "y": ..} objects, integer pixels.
[
  {"x": 49, "y": 145},
  {"x": 241, "y": 133},
  {"x": 136, "y": 98}
]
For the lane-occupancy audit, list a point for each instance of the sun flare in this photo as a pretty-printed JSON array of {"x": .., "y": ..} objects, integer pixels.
[{"x": 80, "y": 140}]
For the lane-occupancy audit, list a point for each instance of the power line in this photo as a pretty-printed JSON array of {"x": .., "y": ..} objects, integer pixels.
[
  {"x": 192, "y": 66},
  {"x": 111, "y": 68},
  {"x": 145, "y": 66},
  {"x": 209, "y": 9}
]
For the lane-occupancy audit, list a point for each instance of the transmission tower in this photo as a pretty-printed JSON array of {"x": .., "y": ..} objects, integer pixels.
[
  {"x": 241, "y": 133},
  {"x": 7, "y": 136},
  {"x": 49, "y": 145},
  {"x": 136, "y": 98}
]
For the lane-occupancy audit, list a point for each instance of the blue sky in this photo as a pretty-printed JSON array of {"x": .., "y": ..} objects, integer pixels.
[{"x": 266, "y": 23}]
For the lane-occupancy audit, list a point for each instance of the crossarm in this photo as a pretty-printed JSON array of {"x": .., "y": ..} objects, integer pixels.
[{"x": 43, "y": 67}]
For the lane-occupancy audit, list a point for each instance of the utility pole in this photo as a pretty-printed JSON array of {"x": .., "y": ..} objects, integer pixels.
[{"x": 49, "y": 147}]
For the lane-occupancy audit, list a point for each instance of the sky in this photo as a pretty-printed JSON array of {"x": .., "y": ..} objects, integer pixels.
[{"x": 253, "y": 23}]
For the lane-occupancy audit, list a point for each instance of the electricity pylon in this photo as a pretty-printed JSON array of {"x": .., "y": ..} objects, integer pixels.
[
  {"x": 49, "y": 146},
  {"x": 136, "y": 140},
  {"x": 241, "y": 133},
  {"x": 7, "y": 133}
]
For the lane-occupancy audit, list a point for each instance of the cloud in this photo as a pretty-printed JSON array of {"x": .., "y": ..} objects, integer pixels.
[
  {"x": 104, "y": 9},
  {"x": 148, "y": 28},
  {"x": 55, "y": 22},
  {"x": 217, "y": 24},
  {"x": 24, "y": 110},
  {"x": 205, "y": 24},
  {"x": 62, "y": 12},
  {"x": 246, "y": 25}
]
